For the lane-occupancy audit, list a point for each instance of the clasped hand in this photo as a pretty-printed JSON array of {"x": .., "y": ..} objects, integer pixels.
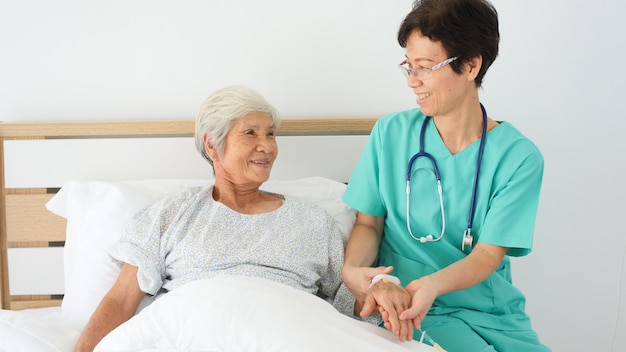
[{"x": 401, "y": 309}]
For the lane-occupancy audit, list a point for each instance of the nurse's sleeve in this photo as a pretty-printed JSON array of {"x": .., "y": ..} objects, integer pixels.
[
  {"x": 363, "y": 191},
  {"x": 510, "y": 220}
]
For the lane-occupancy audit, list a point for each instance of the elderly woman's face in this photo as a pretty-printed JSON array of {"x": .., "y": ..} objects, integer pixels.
[{"x": 249, "y": 151}]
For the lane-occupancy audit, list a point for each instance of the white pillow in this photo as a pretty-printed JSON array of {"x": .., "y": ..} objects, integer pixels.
[
  {"x": 238, "y": 313},
  {"x": 98, "y": 212}
]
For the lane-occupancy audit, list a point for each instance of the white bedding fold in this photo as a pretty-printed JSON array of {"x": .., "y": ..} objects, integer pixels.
[
  {"x": 226, "y": 313},
  {"x": 36, "y": 330},
  {"x": 238, "y": 313}
]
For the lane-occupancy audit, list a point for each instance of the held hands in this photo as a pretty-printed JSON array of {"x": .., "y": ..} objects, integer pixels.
[
  {"x": 358, "y": 280},
  {"x": 422, "y": 297},
  {"x": 389, "y": 298},
  {"x": 392, "y": 300},
  {"x": 402, "y": 309}
]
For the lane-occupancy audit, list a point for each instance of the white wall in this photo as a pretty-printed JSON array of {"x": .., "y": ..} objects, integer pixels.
[{"x": 559, "y": 79}]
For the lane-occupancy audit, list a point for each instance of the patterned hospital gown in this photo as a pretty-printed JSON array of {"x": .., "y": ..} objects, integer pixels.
[{"x": 190, "y": 236}]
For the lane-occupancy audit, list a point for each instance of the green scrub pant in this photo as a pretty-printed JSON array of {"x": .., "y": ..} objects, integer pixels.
[{"x": 454, "y": 335}]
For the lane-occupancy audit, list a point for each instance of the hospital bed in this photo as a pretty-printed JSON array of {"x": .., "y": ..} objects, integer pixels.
[{"x": 68, "y": 190}]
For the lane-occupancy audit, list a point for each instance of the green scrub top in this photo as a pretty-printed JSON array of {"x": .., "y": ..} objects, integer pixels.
[{"x": 506, "y": 206}]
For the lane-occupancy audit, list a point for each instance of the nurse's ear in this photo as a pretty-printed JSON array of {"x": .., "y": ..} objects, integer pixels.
[{"x": 473, "y": 66}]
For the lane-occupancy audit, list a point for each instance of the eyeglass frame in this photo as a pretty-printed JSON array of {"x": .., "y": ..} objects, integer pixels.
[{"x": 414, "y": 71}]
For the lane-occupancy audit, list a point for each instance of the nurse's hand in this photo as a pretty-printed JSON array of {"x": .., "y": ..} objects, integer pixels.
[
  {"x": 391, "y": 300},
  {"x": 422, "y": 298}
]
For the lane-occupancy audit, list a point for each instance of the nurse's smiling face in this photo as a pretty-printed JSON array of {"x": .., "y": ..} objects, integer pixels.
[{"x": 442, "y": 90}]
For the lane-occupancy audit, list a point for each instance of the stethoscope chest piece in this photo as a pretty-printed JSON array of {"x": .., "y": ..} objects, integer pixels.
[{"x": 468, "y": 239}]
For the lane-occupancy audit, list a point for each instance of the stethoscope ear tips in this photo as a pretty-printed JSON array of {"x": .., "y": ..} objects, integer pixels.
[{"x": 426, "y": 239}]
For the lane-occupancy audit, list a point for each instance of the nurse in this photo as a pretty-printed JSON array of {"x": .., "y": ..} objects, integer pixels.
[{"x": 449, "y": 249}]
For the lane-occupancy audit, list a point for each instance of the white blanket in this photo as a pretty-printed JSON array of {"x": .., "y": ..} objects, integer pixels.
[
  {"x": 226, "y": 313},
  {"x": 236, "y": 313}
]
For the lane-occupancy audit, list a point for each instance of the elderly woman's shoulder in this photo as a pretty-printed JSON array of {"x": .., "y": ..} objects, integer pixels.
[
  {"x": 172, "y": 202},
  {"x": 307, "y": 206},
  {"x": 190, "y": 195}
]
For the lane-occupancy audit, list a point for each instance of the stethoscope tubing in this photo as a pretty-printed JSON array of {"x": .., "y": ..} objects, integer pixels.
[
  {"x": 467, "y": 237},
  {"x": 479, "y": 160}
]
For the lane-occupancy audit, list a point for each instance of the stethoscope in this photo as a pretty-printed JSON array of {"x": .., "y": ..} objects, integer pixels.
[{"x": 468, "y": 238}]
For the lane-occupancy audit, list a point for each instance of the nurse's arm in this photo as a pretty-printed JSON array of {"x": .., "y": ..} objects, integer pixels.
[
  {"x": 465, "y": 273},
  {"x": 362, "y": 247},
  {"x": 361, "y": 252}
]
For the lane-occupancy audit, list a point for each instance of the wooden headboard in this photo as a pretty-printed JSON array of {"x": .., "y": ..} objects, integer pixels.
[{"x": 26, "y": 223}]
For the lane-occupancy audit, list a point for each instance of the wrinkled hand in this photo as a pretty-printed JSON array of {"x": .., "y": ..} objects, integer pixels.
[
  {"x": 359, "y": 279},
  {"x": 422, "y": 298},
  {"x": 391, "y": 300}
]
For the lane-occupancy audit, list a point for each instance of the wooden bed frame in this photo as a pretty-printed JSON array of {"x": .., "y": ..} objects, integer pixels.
[{"x": 26, "y": 223}]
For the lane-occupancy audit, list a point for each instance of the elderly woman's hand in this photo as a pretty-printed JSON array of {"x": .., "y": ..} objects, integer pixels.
[
  {"x": 391, "y": 300},
  {"x": 358, "y": 280}
]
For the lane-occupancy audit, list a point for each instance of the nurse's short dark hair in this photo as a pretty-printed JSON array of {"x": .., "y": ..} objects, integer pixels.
[{"x": 465, "y": 28}]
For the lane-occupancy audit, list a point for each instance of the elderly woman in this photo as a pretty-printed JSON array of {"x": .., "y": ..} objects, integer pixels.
[
  {"x": 229, "y": 228},
  {"x": 445, "y": 194}
]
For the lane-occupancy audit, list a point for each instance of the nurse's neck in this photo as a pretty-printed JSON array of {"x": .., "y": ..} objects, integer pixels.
[{"x": 460, "y": 129}]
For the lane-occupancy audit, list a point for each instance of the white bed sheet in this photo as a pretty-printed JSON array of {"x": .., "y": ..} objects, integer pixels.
[
  {"x": 36, "y": 330},
  {"x": 239, "y": 313},
  {"x": 46, "y": 330}
]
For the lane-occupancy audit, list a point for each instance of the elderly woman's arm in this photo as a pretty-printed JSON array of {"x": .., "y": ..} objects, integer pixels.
[{"x": 116, "y": 307}]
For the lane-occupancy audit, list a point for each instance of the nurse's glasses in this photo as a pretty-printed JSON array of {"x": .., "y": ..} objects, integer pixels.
[{"x": 422, "y": 73}]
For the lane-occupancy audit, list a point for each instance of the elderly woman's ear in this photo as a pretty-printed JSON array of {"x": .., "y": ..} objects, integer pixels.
[{"x": 210, "y": 150}]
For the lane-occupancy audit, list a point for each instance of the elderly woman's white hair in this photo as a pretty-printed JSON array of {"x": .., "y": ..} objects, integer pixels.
[{"x": 222, "y": 109}]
